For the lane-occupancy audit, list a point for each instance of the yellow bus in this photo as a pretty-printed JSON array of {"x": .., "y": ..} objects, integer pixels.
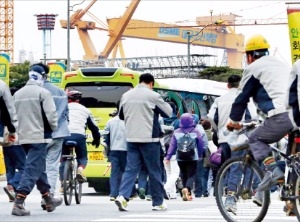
[{"x": 102, "y": 88}]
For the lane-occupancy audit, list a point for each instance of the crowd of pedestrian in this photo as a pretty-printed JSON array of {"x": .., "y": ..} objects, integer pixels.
[
  {"x": 149, "y": 145},
  {"x": 35, "y": 122}
]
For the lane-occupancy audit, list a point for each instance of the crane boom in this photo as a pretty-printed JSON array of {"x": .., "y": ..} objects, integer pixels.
[
  {"x": 76, "y": 16},
  {"x": 119, "y": 28},
  {"x": 214, "y": 37}
]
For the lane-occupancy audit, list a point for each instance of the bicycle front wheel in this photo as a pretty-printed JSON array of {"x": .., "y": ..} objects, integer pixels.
[
  {"x": 295, "y": 204},
  {"x": 68, "y": 182},
  {"x": 235, "y": 187}
]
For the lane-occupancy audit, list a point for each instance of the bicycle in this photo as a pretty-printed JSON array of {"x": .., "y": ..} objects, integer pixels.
[
  {"x": 250, "y": 175},
  {"x": 70, "y": 183}
]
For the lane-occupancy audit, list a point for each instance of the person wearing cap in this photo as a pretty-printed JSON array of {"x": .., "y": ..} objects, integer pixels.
[
  {"x": 54, "y": 148},
  {"x": 218, "y": 116},
  {"x": 266, "y": 80},
  {"x": 37, "y": 118}
]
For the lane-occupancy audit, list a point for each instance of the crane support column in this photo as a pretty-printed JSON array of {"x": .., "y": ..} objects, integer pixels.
[{"x": 117, "y": 32}]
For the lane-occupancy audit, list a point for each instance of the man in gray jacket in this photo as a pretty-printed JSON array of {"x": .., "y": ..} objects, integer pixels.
[
  {"x": 140, "y": 108},
  {"x": 37, "y": 118},
  {"x": 55, "y": 147}
]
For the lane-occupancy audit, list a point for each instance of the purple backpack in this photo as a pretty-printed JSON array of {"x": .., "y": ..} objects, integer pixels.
[{"x": 215, "y": 158}]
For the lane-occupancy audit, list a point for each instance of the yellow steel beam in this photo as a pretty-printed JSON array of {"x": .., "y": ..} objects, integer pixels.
[
  {"x": 213, "y": 37},
  {"x": 117, "y": 30},
  {"x": 88, "y": 46}
]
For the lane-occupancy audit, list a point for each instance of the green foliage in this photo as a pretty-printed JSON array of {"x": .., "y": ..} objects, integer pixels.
[
  {"x": 18, "y": 74},
  {"x": 219, "y": 74}
]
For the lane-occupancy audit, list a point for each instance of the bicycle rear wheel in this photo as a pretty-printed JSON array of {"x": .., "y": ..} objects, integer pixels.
[
  {"x": 244, "y": 178},
  {"x": 296, "y": 192},
  {"x": 68, "y": 182},
  {"x": 78, "y": 191}
]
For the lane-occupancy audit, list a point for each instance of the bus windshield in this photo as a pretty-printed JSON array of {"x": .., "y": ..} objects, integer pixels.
[{"x": 100, "y": 94}]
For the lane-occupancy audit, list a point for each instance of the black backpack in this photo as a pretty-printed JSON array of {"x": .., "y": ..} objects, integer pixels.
[{"x": 186, "y": 146}]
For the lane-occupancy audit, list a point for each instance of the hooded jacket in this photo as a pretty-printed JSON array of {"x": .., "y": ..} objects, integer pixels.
[{"x": 187, "y": 125}]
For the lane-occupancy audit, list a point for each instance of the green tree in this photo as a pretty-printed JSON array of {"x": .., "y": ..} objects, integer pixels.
[
  {"x": 18, "y": 74},
  {"x": 219, "y": 74}
]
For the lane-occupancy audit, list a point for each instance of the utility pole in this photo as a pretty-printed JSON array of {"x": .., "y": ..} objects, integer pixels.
[
  {"x": 189, "y": 36},
  {"x": 68, "y": 37}
]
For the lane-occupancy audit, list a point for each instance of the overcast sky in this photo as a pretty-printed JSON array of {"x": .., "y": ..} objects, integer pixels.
[{"x": 28, "y": 37}]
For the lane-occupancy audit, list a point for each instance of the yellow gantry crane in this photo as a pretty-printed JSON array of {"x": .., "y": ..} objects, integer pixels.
[
  {"x": 115, "y": 35},
  {"x": 221, "y": 36}
]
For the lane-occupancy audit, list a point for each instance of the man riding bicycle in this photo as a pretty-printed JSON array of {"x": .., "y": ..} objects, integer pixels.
[
  {"x": 79, "y": 118},
  {"x": 265, "y": 79}
]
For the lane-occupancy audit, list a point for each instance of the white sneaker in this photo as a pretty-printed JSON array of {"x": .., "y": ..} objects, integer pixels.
[
  {"x": 161, "y": 207},
  {"x": 258, "y": 198},
  {"x": 121, "y": 203}
]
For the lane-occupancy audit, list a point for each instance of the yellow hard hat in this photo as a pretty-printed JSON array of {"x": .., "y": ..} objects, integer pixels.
[{"x": 256, "y": 42}]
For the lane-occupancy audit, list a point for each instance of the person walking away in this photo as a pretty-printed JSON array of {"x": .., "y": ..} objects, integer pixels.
[
  {"x": 80, "y": 118},
  {"x": 143, "y": 184},
  {"x": 218, "y": 115},
  {"x": 206, "y": 163},
  {"x": 140, "y": 108},
  {"x": 14, "y": 159},
  {"x": 265, "y": 79},
  {"x": 115, "y": 130},
  {"x": 202, "y": 172},
  {"x": 37, "y": 119},
  {"x": 194, "y": 143},
  {"x": 172, "y": 169},
  {"x": 54, "y": 148}
]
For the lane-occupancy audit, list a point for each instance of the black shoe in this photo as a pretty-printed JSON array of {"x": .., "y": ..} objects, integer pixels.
[
  {"x": 205, "y": 194},
  {"x": 198, "y": 195}
]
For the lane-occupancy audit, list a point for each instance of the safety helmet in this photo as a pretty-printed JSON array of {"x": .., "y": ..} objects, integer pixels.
[
  {"x": 74, "y": 95},
  {"x": 256, "y": 42}
]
